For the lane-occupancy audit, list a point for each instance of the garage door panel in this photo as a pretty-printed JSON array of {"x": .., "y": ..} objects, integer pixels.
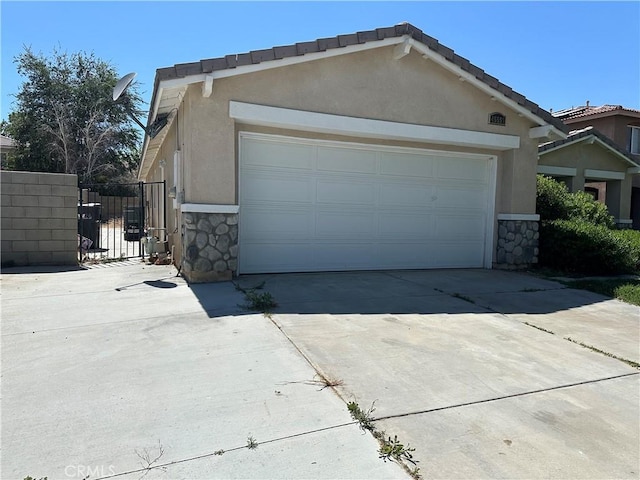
[
  {"x": 275, "y": 257},
  {"x": 343, "y": 256},
  {"x": 406, "y": 226},
  {"x": 471, "y": 198},
  {"x": 474, "y": 170},
  {"x": 267, "y": 225},
  {"x": 345, "y": 193},
  {"x": 359, "y": 207},
  {"x": 277, "y": 155},
  {"x": 405, "y": 195},
  {"x": 260, "y": 188},
  {"x": 410, "y": 165},
  {"x": 454, "y": 227},
  {"x": 346, "y": 161},
  {"x": 349, "y": 225},
  {"x": 457, "y": 255}
]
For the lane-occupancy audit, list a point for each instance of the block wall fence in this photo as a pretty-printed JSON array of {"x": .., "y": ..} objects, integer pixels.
[{"x": 39, "y": 218}]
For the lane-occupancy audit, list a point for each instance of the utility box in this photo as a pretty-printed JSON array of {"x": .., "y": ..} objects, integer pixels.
[
  {"x": 133, "y": 224},
  {"x": 89, "y": 216}
]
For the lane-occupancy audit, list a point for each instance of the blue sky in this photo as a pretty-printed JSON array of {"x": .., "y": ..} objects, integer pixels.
[{"x": 557, "y": 54}]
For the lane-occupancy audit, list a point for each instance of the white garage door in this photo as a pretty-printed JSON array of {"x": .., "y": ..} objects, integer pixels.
[{"x": 310, "y": 205}]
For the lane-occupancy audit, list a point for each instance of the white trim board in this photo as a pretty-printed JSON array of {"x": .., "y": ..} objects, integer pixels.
[
  {"x": 524, "y": 217},
  {"x": 557, "y": 171},
  {"x": 208, "y": 208},
  {"x": 603, "y": 174},
  {"x": 364, "y": 127}
]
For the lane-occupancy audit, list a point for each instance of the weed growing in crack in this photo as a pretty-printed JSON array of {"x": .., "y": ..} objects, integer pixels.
[
  {"x": 539, "y": 328},
  {"x": 395, "y": 451},
  {"x": 607, "y": 354},
  {"x": 252, "y": 444},
  {"x": 147, "y": 462},
  {"x": 259, "y": 302},
  {"x": 219, "y": 452},
  {"x": 390, "y": 449},
  {"x": 325, "y": 381},
  {"x": 363, "y": 417}
]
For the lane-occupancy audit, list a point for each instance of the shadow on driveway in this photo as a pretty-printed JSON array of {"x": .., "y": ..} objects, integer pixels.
[{"x": 406, "y": 292}]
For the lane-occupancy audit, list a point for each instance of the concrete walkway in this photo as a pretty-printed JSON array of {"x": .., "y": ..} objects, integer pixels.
[{"x": 104, "y": 370}]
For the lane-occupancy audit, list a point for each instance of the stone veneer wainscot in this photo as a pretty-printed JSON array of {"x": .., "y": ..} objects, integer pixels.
[
  {"x": 517, "y": 242},
  {"x": 210, "y": 246}
]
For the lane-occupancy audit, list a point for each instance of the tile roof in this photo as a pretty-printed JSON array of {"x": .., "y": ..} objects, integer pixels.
[
  {"x": 340, "y": 41},
  {"x": 587, "y": 111},
  {"x": 7, "y": 141},
  {"x": 576, "y": 135}
]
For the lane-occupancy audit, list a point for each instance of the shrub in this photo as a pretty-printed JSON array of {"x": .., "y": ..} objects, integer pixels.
[
  {"x": 578, "y": 246},
  {"x": 555, "y": 202},
  {"x": 633, "y": 237},
  {"x": 551, "y": 199}
]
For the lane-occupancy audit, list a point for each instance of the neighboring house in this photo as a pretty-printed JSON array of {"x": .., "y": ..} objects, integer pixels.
[
  {"x": 381, "y": 149},
  {"x": 622, "y": 126},
  {"x": 588, "y": 157},
  {"x": 7, "y": 145}
]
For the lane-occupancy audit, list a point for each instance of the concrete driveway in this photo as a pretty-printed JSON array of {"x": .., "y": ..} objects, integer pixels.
[{"x": 105, "y": 370}]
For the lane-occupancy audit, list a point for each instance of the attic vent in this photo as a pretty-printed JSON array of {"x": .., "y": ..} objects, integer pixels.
[{"x": 496, "y": 118}]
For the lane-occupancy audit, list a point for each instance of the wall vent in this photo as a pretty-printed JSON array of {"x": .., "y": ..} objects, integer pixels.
[{"x": 497, "y": 118}]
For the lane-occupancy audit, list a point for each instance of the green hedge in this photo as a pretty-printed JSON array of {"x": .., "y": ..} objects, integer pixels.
[
  {"x": 577, "y": 246},
  {"x": 633, "y": 237},
  {"x": 555, "y": 202}
]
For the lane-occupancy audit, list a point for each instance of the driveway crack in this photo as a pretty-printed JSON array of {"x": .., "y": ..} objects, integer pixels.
[{"x": 504, "y": 397}]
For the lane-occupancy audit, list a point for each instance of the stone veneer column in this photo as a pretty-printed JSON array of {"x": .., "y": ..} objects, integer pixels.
[
  {"x": 210, "y": 246},
  {"x": 517, "y": 242}
]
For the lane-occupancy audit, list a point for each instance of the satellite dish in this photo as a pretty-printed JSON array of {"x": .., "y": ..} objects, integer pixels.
[
  {"x": 122, "y": 85},
  {"x": 160, "y": 122}
]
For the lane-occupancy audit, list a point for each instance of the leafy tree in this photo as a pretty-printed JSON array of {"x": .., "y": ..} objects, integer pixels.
[{"x": 65, "y": 119}]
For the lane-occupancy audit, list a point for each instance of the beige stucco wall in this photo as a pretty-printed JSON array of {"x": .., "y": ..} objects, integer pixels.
[
  {"x": 171, "y": 143},
  {"x": 367, "y": 84}
]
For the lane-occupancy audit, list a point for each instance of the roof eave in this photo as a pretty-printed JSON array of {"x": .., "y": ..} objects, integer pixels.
[{"x": 408, "y": 35}]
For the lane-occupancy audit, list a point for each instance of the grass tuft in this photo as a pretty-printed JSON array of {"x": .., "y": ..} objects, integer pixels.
[{"x": 627, "y": 290}]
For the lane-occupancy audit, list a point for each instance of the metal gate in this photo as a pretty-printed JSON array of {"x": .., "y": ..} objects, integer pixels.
[{"x": 121, "y": 221}]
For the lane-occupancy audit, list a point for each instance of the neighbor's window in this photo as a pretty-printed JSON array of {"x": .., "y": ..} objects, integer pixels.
[{"x": 634, "y": 140}]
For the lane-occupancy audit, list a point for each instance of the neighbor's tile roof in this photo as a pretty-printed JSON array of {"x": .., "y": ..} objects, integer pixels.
[
  {"x": 575, "y": 135},
  {"x": 7, "y": 141},
  {"x": 320, "y": 45},
  {"x": 587, "y": 111}
]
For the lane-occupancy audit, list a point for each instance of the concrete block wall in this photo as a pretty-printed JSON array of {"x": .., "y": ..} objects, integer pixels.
[{"x": 39, "y": 218}]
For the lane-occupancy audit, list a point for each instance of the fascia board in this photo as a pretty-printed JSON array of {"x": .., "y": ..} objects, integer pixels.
[
  {"x": 364, "y": 127},
  {"x": 455, "y": 69}
]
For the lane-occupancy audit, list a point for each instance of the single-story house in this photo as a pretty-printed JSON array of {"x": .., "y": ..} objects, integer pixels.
[
  {"x": 589, "y": 158},
  {"x": 381, "y": 149},
  {"x": 7, "y": 145}
]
